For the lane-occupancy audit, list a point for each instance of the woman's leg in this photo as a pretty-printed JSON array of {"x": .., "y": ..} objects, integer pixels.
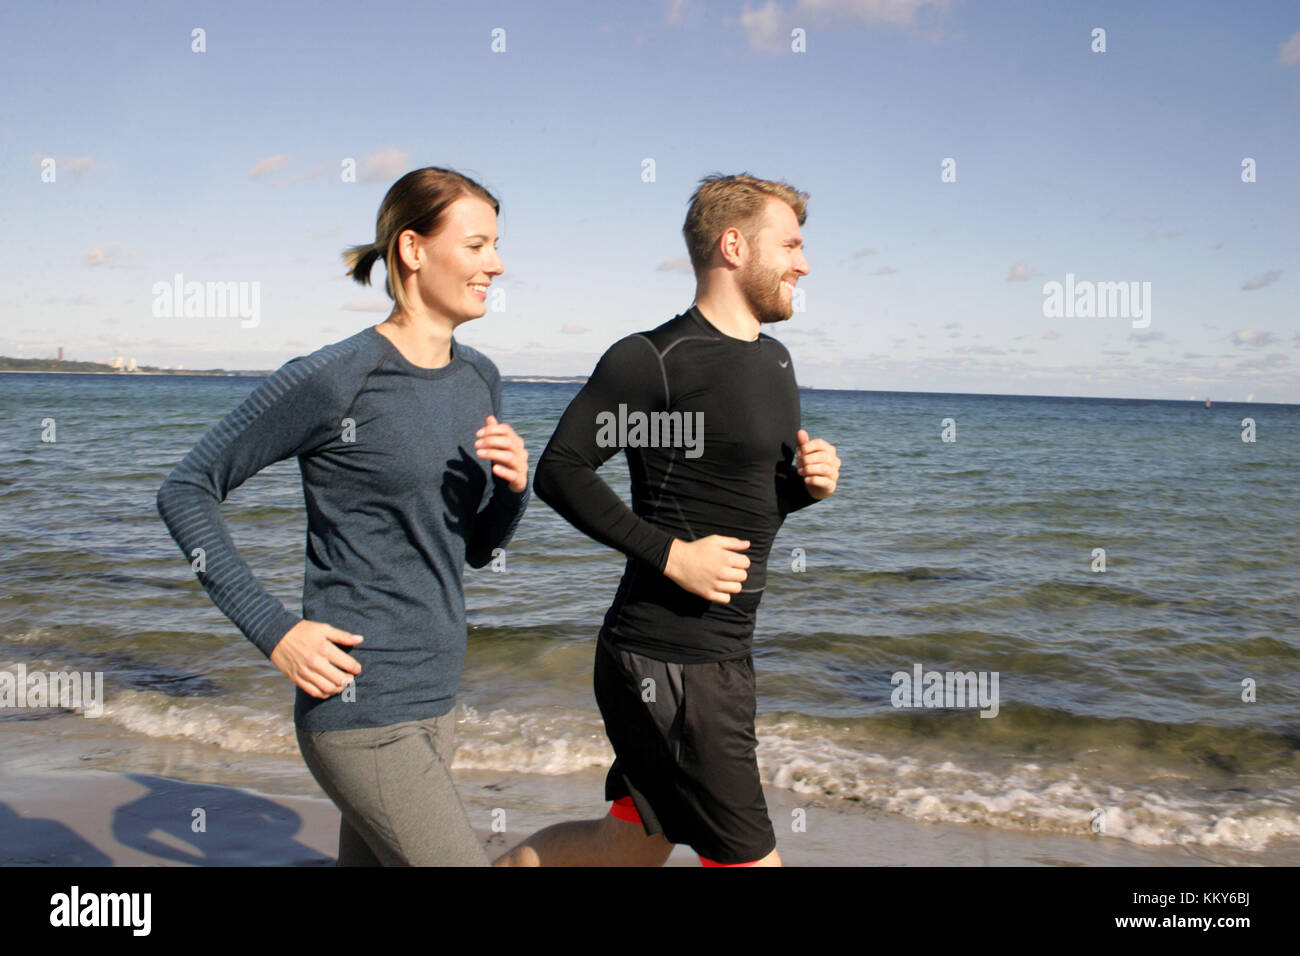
[
  {"x": 394, "y": 790},
  {"x": 353, "y": 849}
]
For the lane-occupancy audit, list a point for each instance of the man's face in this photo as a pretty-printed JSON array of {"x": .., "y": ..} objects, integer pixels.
[{"x": 776, "y": 261}]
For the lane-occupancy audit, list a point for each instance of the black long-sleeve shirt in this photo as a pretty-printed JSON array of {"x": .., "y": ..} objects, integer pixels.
[{"x": 728, "y": 410}]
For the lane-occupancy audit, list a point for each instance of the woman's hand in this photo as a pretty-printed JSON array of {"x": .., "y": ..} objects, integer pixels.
[
  {"x": 307, "y": 655},
  {"x": 498, "y": 442}
]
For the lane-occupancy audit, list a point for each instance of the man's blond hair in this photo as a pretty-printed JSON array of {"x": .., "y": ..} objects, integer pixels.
[{"x": 721, "y": 202}]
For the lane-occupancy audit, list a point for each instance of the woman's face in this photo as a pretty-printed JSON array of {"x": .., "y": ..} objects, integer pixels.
[{"x": 458, "y": 263}]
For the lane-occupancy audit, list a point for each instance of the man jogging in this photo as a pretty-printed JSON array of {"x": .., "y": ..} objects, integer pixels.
[{"x": 707, "y": 411}]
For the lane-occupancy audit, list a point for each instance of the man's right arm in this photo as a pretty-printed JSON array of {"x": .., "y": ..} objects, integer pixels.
[{"x": 629, "y": 374}]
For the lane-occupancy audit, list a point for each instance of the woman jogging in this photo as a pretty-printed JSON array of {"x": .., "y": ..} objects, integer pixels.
[{"x": 408, "y": 474}]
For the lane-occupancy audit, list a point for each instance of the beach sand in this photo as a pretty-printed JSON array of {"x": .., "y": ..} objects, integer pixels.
[{"x": 81, "y": 793}]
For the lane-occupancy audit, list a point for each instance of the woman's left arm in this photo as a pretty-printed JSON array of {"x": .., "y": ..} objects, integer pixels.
[{"x": 495, "y": 524}]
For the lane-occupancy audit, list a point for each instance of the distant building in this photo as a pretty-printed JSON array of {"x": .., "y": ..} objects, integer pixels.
[
  {"x": 60, "y": 353},
  {"x": 116, "y": 363}
]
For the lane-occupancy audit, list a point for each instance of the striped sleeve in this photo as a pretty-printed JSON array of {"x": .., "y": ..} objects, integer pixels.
[{"x": 291, "y": 412}]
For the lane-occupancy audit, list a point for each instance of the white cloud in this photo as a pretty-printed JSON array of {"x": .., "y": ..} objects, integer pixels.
[
  {"x": 1289, "y": 54},
  {"x": 763, "y": 27},
  {"x": 896, "y": 13},
  {"x": 385, "y": 165},
  {"x": 76, "y": 165},
  {"x": 1267, "y": 363},
  {"x": 675, "y": 264},
  {"x": 110, "y": 255},
  {"x": 768, "y": 27},
  {"x": 1252, "y": 337},
  {"x": 1258, "y": 282},
  {"x": 269, "y": 164}
]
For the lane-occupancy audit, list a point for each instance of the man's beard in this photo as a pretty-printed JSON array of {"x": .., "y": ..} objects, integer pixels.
[{"x": 761, "y": 288}]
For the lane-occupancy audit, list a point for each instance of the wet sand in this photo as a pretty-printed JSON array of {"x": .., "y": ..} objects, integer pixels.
[{"x": 77, "y": 793}]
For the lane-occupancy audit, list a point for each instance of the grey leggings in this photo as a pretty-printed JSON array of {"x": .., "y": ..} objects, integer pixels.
[{"x": 393, "y": 789}]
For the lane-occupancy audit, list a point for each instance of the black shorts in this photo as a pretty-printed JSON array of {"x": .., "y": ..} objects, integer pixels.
[{"x": 685, "y": 751}]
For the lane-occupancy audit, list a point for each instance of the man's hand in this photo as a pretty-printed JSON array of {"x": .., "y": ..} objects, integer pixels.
[
  {"x": 818, "y": 464},
  {"x": 497, "y": 441},
  {"x": 307, "y": 655},
  {"x": 710, "y": 567}
]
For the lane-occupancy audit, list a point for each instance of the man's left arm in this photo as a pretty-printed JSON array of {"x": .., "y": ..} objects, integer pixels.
[
  {"x": 813, "y": 475},
  {"x": 819, "y": 466},
  {"x": 815, "y": 470}
]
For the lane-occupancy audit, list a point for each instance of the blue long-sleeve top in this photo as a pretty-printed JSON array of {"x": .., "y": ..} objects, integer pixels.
[{"x": 397, "y": 503}]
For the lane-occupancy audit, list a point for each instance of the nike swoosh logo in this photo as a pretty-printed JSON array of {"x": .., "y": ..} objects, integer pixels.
[{"x": 784, "y": 364}]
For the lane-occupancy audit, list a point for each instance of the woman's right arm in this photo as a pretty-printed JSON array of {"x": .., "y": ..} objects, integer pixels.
[{"x": 289, "y": 414}]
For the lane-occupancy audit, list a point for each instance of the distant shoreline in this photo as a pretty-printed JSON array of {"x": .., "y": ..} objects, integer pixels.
[
  {"x": 581, "y": 379},
  {"x": 196, "y": 373},
  {"x": 547, "y": 379}
]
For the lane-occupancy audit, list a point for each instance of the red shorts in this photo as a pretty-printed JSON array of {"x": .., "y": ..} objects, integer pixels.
[{"x": 625, "y": 809}]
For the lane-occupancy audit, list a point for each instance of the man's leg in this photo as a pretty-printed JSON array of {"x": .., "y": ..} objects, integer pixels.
[
  {"x": 725, "y": 793},
  {"x": 772, "y": 859},
  {"x": 610, "y": 841},
  {"x": 620, "y": 838}
]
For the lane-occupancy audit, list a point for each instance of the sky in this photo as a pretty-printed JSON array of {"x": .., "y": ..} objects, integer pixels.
[{"x": 960, "y": 157}]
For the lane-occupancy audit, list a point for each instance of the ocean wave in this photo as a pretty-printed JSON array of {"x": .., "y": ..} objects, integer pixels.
[
  {"x": 1161, "y": 809},
  {"x": 237, "y": 727},
  {"x": 872, "y": 763}
]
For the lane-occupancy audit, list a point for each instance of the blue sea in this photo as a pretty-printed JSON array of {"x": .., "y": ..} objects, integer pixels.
[{"x": 1160, "y": 695}]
